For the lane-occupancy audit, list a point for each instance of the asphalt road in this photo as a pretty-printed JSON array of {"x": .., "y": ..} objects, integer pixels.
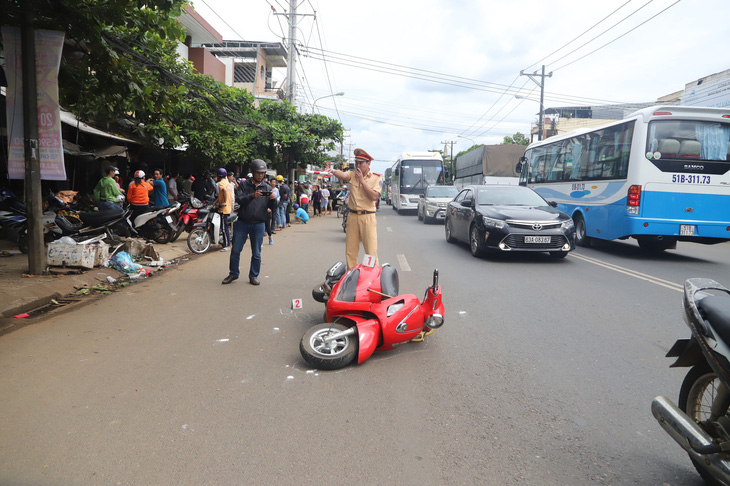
[{"x": 543, "y": 374}]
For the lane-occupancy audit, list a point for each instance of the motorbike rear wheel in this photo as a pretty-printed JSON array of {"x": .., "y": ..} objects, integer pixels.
[
  {"x": 696, "y": 397},
  {"x": 328, "y": 356},
  {"x": 163, "y": 235},
  {"x": 199, "y": 240}
]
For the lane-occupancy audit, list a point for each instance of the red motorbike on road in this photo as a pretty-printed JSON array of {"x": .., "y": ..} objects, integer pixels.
[{"x": 364, "y": 314}]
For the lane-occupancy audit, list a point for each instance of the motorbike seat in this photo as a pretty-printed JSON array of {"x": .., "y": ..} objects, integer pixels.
[
  {"x": 348, "y": 289},
  {"x": 100, "y": 217},
  {"x": 389, "y": 280},
  {"x": 716, "y": 310}
]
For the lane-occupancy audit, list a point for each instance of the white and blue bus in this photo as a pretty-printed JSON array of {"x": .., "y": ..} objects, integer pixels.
[
  {"x": 660, "y": 175},
  {"x": 411, "y": 174}
]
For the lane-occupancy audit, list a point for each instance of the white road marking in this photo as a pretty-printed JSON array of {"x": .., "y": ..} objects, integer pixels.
[
  {"x": 632, "y": 273},
  {"x": 403, "y": 262}
]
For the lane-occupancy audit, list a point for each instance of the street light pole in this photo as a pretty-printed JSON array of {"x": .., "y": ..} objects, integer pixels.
[{"x": 341, "y": 93}]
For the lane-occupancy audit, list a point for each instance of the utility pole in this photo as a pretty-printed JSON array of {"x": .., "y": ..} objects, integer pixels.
[
  {"x": 33, "y": 198},
  {"x": 541, "y": 84},
  {"x": 291, "y": 70},
  {"x": 291, "y": 63}
]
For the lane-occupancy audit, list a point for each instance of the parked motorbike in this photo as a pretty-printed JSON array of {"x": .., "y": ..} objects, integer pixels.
[
  {"x": 187, "y": 216},
  {"x": 345, "y": 213},
  {"x": 209, "y": 228},
  {"x": 154, "y": 223},
  {"x": 700, "y": 424},
  {"x": 60, "y": 220},
  {"x": 364, "y": 314}
]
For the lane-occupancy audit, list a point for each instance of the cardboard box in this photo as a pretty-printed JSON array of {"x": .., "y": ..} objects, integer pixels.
[
  {"x": 102, "y": 253},
  {"x": 71, "y": 255}
]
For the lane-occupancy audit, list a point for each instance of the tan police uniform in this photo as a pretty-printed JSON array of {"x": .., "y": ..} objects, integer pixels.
[{"x": 361, "y": 223}]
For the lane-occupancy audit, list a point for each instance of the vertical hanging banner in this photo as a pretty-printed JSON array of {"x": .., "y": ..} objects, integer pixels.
[{"x": 48, "y": 49}]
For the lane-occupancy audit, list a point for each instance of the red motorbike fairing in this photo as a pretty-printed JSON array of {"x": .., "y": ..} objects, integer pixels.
[{"x": 368, "y": 333}]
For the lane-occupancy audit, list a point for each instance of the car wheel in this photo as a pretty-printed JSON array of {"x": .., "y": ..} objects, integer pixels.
[
  {"x": 449, "y": 237},
  {"x": 581, "y": 239},
  {"x": 420, "y": 216},
  {"x": 476, "y": 245}
]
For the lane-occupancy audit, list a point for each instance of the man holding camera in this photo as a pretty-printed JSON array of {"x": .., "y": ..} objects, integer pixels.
[
  {"x": 255, "y": 197},
  {"x": 365, "y": 187}
]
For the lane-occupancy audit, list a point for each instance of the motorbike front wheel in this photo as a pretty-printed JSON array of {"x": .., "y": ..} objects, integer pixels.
[
  {"x": 696, "y": 398},
  {"x": 178, "y": 228},
  {"x": 328, "y": 356},
  {"x": 199, "y": 240}
]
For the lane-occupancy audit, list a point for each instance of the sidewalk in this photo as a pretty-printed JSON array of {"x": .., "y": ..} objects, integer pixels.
[{"x": 22, "y": 293}]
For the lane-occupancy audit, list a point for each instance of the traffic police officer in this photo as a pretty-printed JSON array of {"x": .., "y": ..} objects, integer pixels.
[{"x": 365, "y": 188}]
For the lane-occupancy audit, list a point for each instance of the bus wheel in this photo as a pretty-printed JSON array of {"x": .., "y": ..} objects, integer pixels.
[{"x": 581, "y": 239}]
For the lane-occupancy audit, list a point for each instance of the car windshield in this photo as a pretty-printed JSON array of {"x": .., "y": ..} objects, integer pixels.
[
  {"x": 442, "y": 191},
  {"x": 508, "y": 196}
]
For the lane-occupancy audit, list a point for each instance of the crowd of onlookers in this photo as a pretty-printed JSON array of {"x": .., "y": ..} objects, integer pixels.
[{"x": 300, "y": 199}]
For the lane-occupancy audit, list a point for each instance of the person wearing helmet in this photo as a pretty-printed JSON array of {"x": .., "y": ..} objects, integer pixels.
[
  {"x": 138, "y": 193},
  {"x": 365, "y": 189},
  {"x": 225, "y": 205},
  {"x": 300, "y": 215},
  {"x": 255, "y": 198},
  {"x": 106, "y": 192}
]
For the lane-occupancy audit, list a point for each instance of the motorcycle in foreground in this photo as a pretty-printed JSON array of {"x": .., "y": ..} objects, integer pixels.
[
  {"x": 364, "y": 314},
  {"x": 209, "y": 228},
  {"x": 700, "y": 423}
]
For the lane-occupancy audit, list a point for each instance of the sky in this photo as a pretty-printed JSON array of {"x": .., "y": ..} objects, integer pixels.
[{"x": 419, "y": 74}]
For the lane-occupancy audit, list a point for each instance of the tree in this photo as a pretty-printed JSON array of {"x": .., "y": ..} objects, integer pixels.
[
  {"x": 120, "y": 71},
  {"x": 517, "y": 139}
]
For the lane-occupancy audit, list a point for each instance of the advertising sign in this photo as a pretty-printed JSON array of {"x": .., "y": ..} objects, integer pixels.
[{"x": 48, "y": 48}]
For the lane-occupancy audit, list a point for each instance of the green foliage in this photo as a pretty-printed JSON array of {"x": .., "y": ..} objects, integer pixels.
[
  {"x": 121, "y": 72},
  {"x": 517, "y": 139}
]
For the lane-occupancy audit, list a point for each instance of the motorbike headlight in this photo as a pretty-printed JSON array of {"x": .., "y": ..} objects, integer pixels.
[
  {"x": 392, "y": 309},
  {"x": 194, "y": 202},
  {"x": 568, "y": 225},
  {"x": 494, "y": 223},
  {"x": 435, "y": 321}
]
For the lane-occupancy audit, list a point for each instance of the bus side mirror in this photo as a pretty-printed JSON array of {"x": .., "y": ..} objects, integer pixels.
[{"x": 520, "y": 163}]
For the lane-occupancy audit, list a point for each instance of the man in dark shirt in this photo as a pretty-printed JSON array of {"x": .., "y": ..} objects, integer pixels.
[{"x": 254, "y": 197}]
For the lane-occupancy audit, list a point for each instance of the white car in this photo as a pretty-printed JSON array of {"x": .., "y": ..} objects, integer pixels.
[{"x": 432, "y": 204}]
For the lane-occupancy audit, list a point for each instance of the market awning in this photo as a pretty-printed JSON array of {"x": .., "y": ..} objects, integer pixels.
[{"x": 71, "y": 120}]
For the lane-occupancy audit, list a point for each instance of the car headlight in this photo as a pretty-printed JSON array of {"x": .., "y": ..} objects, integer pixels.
[
  {"x": 493, "y": 223},
  {"x": 432, "y": 205},
  {"x": 568, "y": 225}
]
